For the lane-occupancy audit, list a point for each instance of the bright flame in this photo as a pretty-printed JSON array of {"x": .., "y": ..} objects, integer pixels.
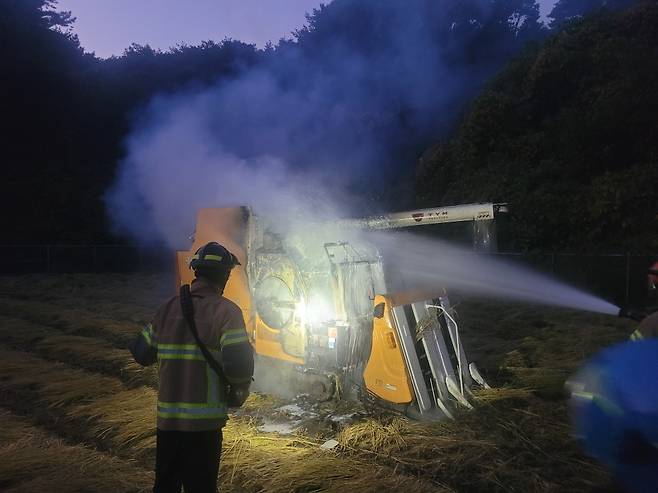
[
  {"x": 301, "y": 313},
  {"x": 318, "y": 310}
]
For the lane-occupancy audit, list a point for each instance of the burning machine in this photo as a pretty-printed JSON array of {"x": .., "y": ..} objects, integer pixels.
[{"x": 325, "y": 318}]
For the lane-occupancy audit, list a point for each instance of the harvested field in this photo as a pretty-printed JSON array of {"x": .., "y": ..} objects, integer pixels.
[
  {"x": 31, "y": 459},
  {"x": 76, "y": 414}
]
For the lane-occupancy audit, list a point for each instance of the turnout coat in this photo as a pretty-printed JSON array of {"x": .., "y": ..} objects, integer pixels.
[{"x": 191, "y": 396}]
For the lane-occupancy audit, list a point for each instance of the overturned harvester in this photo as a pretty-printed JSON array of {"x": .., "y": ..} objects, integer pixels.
[{"x": 325, "y": 320}]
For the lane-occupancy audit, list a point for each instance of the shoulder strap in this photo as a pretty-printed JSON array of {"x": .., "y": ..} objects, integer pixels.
[{"x": 188, "y": 313}]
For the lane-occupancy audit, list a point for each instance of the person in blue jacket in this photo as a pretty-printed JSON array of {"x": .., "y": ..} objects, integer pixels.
[{"x": 614, "y": 408}]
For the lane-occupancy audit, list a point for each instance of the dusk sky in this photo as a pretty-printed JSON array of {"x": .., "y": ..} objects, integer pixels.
[{"x": 107, "y": 27}]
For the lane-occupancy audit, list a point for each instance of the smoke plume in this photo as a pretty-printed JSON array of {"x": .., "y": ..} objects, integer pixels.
[{"x": 321, "y": 126}]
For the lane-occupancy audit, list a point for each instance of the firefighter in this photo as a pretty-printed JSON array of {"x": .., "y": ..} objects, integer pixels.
[
  {"x": 201, "y": 375},
  {"x": 647, "y": 328},
  {"x": 614, "y": 408},
  {"x": 652, "y": 280}
]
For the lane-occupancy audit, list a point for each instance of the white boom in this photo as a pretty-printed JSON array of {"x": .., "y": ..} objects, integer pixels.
[{"x": 424, "y": 217}]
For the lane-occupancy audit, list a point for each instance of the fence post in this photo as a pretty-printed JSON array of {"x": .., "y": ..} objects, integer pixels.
[
  {"x": 628, "y": 278},
  {"x": 48, "y": 258}
]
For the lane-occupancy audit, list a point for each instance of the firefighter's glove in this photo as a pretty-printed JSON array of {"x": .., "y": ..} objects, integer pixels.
[
  {"x": 237, "y": 394},
  {"x": 143, "y": 353}
]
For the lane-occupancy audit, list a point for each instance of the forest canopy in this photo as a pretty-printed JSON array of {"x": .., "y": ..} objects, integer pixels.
[
  {"x": 67, "y": 114},
  {"x": 568, "y": 135}
]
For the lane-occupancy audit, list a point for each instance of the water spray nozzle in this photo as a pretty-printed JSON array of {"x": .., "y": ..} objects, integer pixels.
[{"x": 632, "y": 313}]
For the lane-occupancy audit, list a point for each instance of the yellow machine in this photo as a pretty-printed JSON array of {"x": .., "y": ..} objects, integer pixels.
[{"x": 324, "y": 321}]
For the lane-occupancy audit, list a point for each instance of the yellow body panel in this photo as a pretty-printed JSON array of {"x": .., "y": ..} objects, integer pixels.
[
  {"x": 385, "y": 374},
  {"x": 225, "y": 226},
  {"x": 268, "y": 343}
]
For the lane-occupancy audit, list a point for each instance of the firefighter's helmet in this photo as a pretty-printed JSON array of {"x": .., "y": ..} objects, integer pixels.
[{"x": 213, "y": 257}]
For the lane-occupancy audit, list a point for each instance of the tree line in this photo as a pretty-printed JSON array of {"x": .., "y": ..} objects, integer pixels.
[
  {"x": 568, "y": 135},
  {"x": 66, "y": 113}
]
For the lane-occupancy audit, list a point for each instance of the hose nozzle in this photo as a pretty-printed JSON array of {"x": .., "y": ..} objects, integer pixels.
[{"x": 632, "y": 313}]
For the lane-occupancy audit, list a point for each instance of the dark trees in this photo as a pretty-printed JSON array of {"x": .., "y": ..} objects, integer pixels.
[
  {"x": 65, "y": 115},
  {"x": 568, "y": 135},
  {"x": 564, "y": 128},
  {"x": 571, "y": 10}
]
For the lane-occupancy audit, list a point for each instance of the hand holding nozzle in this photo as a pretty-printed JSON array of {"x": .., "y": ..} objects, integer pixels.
[{"x": 632, "y": 313}]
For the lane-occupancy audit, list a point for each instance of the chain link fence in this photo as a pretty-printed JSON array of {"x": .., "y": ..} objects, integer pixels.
[{"x": 621, "y": 278}]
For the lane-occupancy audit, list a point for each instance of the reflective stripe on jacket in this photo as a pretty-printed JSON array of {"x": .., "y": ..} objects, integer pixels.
[
  {"x": 191, "y": 396},
  {"x": 648, "y": 327}
]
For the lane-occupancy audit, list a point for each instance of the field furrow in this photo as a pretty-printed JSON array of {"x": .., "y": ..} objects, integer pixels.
[
  {"x": 78, "y": 403},
  {"x": 84, "y": 352},
  {"x": 70, "y": 320},
  {"x": 55, "y": 384},
  {"x": 120, "y": 297},
  {"x": 31, "y": 459},
  {"x": 122, "y": 421},
  {"x": 74, "y": 400}
]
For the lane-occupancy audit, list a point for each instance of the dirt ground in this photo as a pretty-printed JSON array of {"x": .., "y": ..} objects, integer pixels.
[{"x": 77, "y": 415}]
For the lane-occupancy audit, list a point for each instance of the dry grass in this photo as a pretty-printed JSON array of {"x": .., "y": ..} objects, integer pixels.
[
  {"x": 510, "y": 442},
  {"x": 132, "y": 297},
  {"x": 126, "y": 420},
  {"x": 547, "y": 382},
  {"x": 251, "y": 460},
  {"x": 517, "y": 438},
  {"x": 258, "y": 404},
  {"x": 497, "y": 394},
  {"x": 86, "y": 352},
  {"x": 500, "y": 335},
  {"x": 56, "y": 383},
  {"x": 254, "y": 461},
  {"x": 426, "y": 450},
  {"x": 438, "y": 453},
  {"x": 93, "y": 354},
  {"x": 120, "y": 418},
  {"x": 20, "y": 333},
  {"x": 14, "y": 428},
  {"x": 75, "y": 321},
  {"x": 33, "y": 461}
]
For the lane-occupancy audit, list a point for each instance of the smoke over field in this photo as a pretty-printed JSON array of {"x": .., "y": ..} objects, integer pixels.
[
  {"x": 342, "y": 112},
  {"x": 328, "y": 126}
]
